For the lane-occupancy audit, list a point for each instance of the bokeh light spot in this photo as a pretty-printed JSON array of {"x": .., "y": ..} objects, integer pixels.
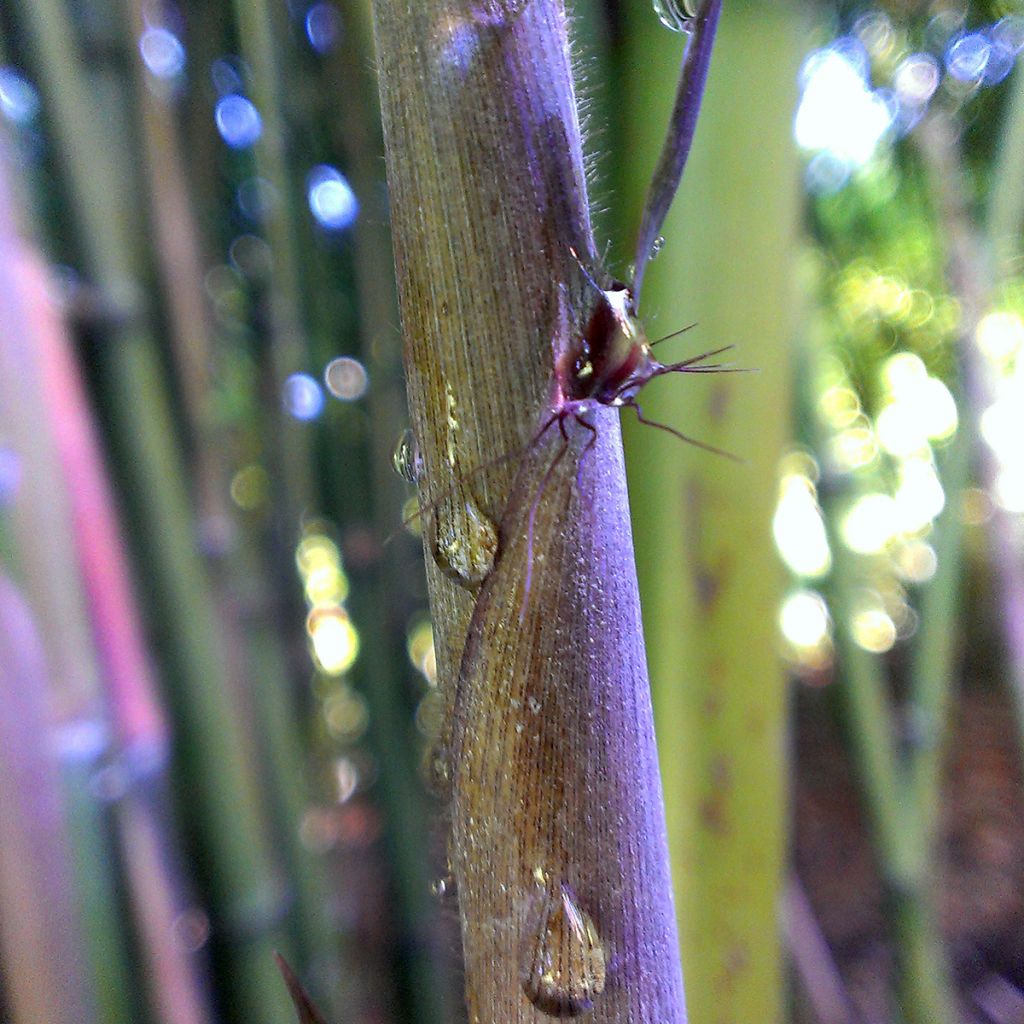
[
  {"x": 874, "y": 630},
  {"x": 331, "y": 199},
  {"x": 420, "y": 645},
  {"x": 916, "y": 78},
  {"x": 162, "y": 53},
  {"x": 967, "y": 56},
  {"x": 250, "y": 488},
  {"x": 346, "y": 378},
  {"x": 1000, "y": 336},
  {"x": 869, "y": 524},
  {"x": 238, "y": 121},
  {"x": 799, "y": 530},
  {"x": 303, "y": 397},
  {"x": 804, "y": 619},
  {"x": 346, "y": 714},
  {"x": 334, "y": 638},
  {"x": 323, "y": 27},
  {"x": 838, "y": 112},
  {"x": 19, "y": 101}
]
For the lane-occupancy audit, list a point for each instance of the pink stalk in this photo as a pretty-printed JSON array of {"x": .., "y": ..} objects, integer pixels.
[
  {"x": 135, "y": 711},
  {"x": 126, "y": 675}
]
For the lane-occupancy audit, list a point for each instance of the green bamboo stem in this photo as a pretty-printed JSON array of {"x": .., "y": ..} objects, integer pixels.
[
  {"x": 1001, "y": 240},
  {"x": 286, "y": 770},
  {"x": 237, "y": 577},
  {"x": 1005, "y": 210},
  {"x": 144, "y": 825},
  {"x": 936, "y": 647},
  {"x": 148, "y": 846},
  {"x": 719, "y": 701},
  {"x": 896, "y": 809},
  {"x": 895, "y": 801},
  {"x": 261, "y": 41},
  {"x": 382, "y": 668},
  {"x": 177, "y": 255},
  {"x": 288, "y": 442},
  {"x": 211, "y": 745}
]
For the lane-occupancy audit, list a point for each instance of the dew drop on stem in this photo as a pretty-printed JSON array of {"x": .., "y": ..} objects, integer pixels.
[
  {"x": 562, "y": 958},
  {"x": 465, "y": 542},
  {"x": 675, "y": 14},
  {"x": 443, "y": 889},
  {"x": 406, "y": 457}
]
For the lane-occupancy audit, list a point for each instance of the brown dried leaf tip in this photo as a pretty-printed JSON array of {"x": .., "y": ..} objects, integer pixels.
[
  {"x": 562, "y": 960},
  {"x": 307, "y": 1013}
]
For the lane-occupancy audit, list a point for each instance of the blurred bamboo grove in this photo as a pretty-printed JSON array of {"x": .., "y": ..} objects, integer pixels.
[{"x": 217, "y": 677}]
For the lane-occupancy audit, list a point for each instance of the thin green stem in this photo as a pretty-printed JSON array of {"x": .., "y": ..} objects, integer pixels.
[
  {"x": 261, "y": 40},
  {"x": 212, "y": 750}
]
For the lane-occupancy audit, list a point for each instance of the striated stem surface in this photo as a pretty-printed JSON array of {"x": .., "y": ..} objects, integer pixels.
[{"x": 558, "y": 847}]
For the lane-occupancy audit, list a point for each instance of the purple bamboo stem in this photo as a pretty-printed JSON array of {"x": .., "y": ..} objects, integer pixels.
[
  {"x": 488, "y": 202},
  {"x": 554, "y": 759},
  {"x": 42, "y": 946}
]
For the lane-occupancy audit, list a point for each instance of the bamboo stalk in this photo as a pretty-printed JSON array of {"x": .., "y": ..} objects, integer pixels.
[
  {"x": 898, "y": 816},
  {"x": 1000, "y": 242},
  {"x": 719, "y": 689},
  {"x": 383, "y": 668},
  {"x": 43, "y": 535},
  {"x": 262, "y": 680},
  {"x": 222, "y": 792},
  {"x": 141, "y": 740},
  {"x": 893, "y": 801},
  {"x": 261, "y": 39},
  {"x": 45, "y": 959},
  {"x": 488, "y": 200}
]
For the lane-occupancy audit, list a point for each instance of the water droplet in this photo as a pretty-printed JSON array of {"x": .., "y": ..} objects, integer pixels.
[
  {"x": 436, "y": 771},
  {"x": 675, "y": 14},
  {"x": 657, "y": 245},
  {"x": 453, "y": 425},
  {"x": 562, "y": 962},
  {"x": 406, "y": 458},
  {"x": 443, "y": 888},
  {"x": 465, "y": 542}
]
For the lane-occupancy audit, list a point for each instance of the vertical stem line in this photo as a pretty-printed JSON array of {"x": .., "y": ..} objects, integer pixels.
[{"x": 262, "y": 42}]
